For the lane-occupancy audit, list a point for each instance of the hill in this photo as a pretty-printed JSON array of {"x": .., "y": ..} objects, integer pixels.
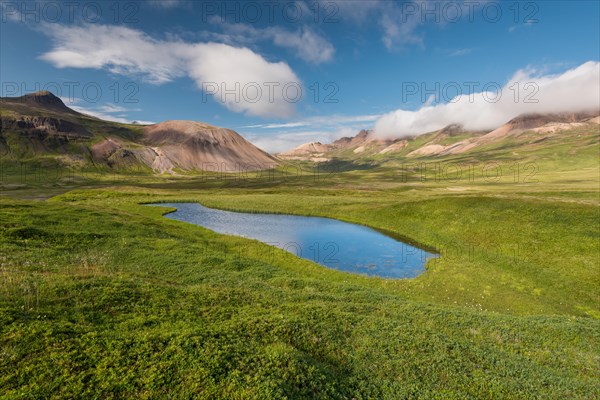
[{"x": 39, "y": 128}]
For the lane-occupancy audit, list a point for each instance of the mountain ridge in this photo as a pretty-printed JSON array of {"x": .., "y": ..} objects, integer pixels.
[{"x": 452, "y": 139}]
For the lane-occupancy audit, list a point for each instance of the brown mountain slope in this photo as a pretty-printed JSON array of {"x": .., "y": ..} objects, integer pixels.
[{"x": 193, "y": 145}]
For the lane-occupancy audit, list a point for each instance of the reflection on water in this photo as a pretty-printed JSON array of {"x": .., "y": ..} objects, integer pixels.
[{"x": 332, "y": 243}]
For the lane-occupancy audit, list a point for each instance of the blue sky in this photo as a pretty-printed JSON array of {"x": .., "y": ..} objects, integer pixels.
[{"x": 356, "y": 63}]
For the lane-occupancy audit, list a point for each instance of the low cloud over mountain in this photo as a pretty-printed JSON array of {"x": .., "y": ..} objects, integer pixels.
[{"x": 577, "y": 89}]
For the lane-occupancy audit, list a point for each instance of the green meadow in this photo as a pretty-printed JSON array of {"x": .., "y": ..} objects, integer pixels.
[{"x": 103, "y": 297}]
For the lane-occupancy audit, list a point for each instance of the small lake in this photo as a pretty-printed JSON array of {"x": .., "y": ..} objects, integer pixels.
[{"x": 329, "y": 242}]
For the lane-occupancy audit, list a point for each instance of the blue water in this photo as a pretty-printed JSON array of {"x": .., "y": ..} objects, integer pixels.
[{"x": 329, "y": 242}]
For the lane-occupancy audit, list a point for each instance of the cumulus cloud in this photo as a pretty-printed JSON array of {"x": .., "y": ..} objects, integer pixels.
[
  {"x": 121, "y": 50},
  {"x": 261, "y": 84},
  {"x": 528, "y": 91},
  {"x": 126, "y": 51}
]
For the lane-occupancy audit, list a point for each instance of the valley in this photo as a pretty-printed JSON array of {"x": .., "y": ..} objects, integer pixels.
[
  {"x": 297, "y": 200},
  {"x": 102, "y": 295}
]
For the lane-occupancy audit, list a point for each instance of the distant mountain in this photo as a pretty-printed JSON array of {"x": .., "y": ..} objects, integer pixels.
[
  {"x": 363, "y": 143},
  {"x": 538, "y": 123},
  {"x": 312, "y": 151},
  {"x": 40, "y": 127},
  {"x": 453, "y": 139}
]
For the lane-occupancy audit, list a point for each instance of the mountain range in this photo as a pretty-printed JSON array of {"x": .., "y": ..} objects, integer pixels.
[
  {"x": 452, "y": 139},
  {"x": 40, "y": 127}
]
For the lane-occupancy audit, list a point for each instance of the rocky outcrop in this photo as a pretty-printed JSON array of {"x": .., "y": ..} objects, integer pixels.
[
  {"x": 352, "y": 142},
  {"x": 40, "y": 126},
  {"x": 394, "y": 148},
  {"x": 103, "y": 150}
]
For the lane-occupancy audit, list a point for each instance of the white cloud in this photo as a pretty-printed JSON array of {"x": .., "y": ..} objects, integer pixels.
[
  {"x": 400, "y": 21},
  {"x": 120, "y": 50},
  {"x": 280, "y": 142},
  {"x": 228, "y": 66},
  {"x": 166, "y": 3},
  {"x": 278, "y": 126},
  {"x": 324, "y": 129},
  {"x": 344, "y": 119},
  {"x": 106, "y": 112},
  {"x": 107, "y": 116},
  {"x": 399, "y": 29},
  {"x": 304, "y": 42},
  {"x": 126, "y": 51},
  {"x": 526, "y": 24},
  {"x": 357, "y": 12},
  {"x": 459, "y": 52},
  {"x": 397, "y": 21},
  {"x": 308, "y": 44},
  {"x": 112, "y": 108},
  {"x": 577, "y": 89},
  {"x": 322, "y": 121}
]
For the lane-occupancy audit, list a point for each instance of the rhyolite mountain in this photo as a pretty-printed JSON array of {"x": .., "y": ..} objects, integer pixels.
[
  {"x": 452, "y": 140},
  {"x": 42, "y": 128}
]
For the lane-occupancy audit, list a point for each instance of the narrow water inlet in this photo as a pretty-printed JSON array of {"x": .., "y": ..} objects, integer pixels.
[{"x": 329, "y": 242}]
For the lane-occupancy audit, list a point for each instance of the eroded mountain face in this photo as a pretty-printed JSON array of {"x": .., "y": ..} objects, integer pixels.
[
  {"x": 192, "y": 145},
  {"x": 40, "y": 126}
]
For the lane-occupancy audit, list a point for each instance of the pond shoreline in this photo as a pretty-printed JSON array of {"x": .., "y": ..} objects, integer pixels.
[{"x": 333, "y": 243}]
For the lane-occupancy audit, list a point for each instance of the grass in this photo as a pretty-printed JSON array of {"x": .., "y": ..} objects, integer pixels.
[
  {"x": 106, "y": 298},
  {"x": 103, "y": 297}
]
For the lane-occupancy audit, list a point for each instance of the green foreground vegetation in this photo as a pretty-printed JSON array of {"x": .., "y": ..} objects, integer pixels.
[{"x": 102, "y": 297}]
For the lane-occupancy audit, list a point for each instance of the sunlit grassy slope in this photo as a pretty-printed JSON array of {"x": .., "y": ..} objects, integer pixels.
[{"x": 103, "y": 297}]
